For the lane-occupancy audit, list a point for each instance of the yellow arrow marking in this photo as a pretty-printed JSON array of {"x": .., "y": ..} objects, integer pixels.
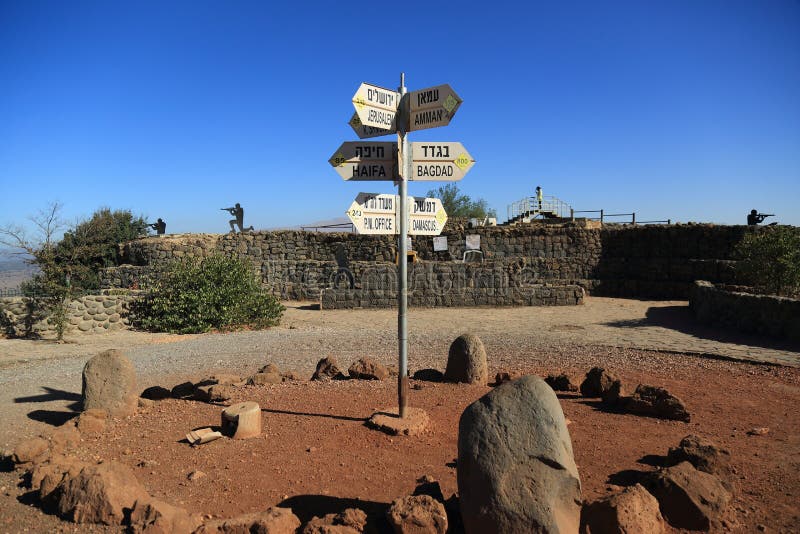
[
  {"x": 441, "y": 218},
  {"x": 450, "y": 103},
  {"x": 359, "y": 102},
  {"x": 462, "y": 161},
  {"x": 338, "y": 160}
]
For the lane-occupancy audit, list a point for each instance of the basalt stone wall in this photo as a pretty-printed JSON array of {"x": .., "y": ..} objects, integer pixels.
[
  {"x": 745, "y": 312},
  {"x": 88, "y": 314},
  {"x": 541, "y": 295},
  {"x": 616, "y": 260}
]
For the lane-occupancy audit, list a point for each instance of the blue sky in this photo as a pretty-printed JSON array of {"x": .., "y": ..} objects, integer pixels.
[{"x": 680, "y": 109}]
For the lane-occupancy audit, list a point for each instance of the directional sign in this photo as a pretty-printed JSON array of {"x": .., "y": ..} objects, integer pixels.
[
  {"x": 376, "y": 106},
  {"x": 366, "y": 160},
  {"x": 426, "y": 216},
  {"x": 432, "y": 161},
  {"x": 373, "y": 213},
  {"x": 365, "y": 132},
  {"x": 432, "y": 107}
]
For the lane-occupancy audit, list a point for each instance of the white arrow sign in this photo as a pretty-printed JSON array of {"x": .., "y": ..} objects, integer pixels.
[
  {"x": 365, "y": 132},
  {"x": 376, "y": 106},
  {"x": 366, "y": 160},
  {"x": 373, "y": 213},
  {"x": 432, "y": 107},
  {"x": 433, "y": 161}
]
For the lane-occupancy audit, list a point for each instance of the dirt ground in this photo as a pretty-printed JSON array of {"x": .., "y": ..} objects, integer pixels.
[{"x": 317, "y": 456}]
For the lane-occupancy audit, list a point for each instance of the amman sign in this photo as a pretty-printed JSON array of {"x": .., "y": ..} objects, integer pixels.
[
  {"x": 433, "y": 161},
  {"x": 366, "y": 160},
  {"x": 377, "y": 106},
  {"x": 432, "y": 107},
  {"x": 373, "y": 213}
]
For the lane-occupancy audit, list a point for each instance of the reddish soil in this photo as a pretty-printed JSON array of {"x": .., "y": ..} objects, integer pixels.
[{"x": 317, "y": 456}]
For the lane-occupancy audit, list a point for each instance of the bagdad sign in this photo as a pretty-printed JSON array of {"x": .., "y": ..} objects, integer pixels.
[
  {"x": 439, "y": 161},
  {"x": 373, "y": 213},
  {"x": 365, "y": 132},
  {"x": 377, "y": 106},
  {"x": 366, "y": 160},
  {"x": 432, "y": 107}
]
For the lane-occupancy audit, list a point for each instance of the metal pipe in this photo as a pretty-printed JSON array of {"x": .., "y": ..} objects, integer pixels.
[{"x": 404, "y": 164}]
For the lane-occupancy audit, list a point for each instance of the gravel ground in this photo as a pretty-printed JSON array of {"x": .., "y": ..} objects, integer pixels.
[{"x": 41, "y": 381}]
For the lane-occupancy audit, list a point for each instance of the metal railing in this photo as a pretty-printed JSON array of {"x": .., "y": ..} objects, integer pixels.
[
  {"x": 530, "y": 208},
  {"x": 603, "y": 215},
  {"x": 350, "y": 227}
]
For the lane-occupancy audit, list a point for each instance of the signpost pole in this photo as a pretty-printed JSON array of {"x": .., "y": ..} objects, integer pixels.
[{"x": 402, "y": 263}]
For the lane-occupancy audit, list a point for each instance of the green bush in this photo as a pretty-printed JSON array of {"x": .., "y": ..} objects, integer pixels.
[
  {"x": 769, "y": 258},
  {"x": 216, "y": 292}
]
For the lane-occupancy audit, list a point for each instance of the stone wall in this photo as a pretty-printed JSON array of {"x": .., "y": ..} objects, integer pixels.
[
  {"x": 615, "y": 260},
  {"x": 745, "y": 312},
  {"x": 88, "y": 314},
  {"x": 542, "y": 295}
]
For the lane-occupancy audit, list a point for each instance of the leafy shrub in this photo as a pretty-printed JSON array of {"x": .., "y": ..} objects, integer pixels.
[
  {"x": 194, "y": 296},
  {"x": 769, "y": 258}
]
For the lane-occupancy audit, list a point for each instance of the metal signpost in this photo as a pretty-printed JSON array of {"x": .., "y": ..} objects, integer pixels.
[{"x": 381, "y": 111}]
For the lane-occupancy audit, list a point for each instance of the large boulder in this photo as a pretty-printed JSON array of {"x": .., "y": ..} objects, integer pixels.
[
  {"x": 466, "y": 361},
  {"x": 368, "y": 369},
  {"x": 109, "y": 383},
  {"x": 597, "y": 382},
  {"x": 688, "y": 498},
  {"x": 516, "y": 471},
  {"x": 417, "y": 514},
  {"x": 632, "y": 511},
  {"x": 99, "y": 494}
]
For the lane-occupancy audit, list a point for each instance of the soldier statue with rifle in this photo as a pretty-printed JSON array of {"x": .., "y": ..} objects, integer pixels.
[{"x": 238, "y": 212}]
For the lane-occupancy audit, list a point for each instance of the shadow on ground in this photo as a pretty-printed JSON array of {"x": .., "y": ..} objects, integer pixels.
[
  {"x": 306, "y": 507},
  {"x": 307, "y": 414},
  {"x": 53, "y": 417},
  {"x": 681, "y": 319}
]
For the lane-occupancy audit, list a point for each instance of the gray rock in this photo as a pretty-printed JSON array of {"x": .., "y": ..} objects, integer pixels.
[
  {"x": 466, "y": 361},
  {"x": 109, "y": 383},
  {"x": 516, "y": 471}
]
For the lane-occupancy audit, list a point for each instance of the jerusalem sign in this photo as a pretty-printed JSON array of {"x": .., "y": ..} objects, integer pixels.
[
  {"x": 366, "y": 132},
  {"x": 377, "y": 106}
]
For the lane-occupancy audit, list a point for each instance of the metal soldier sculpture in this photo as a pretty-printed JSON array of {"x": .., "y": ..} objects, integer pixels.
[
  {"x": 238, "y": 212},
  {"x": 159, "y": 226},
  {"x": 754, "y": 217}
]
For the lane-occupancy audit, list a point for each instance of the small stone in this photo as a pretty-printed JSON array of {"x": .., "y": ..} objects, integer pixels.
[
  {"x": 30, "y": 450},
  {"x": 368, "y": 369},
  {"x": 758, "y": 431},
  {"x": 196, "y": 475},
  {"x": 418, "y": 513},
  {"x": 327, "y": 369},
  {"x": 428, "y": 375}
]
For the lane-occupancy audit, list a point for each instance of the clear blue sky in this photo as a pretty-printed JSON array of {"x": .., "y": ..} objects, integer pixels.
[{"x": 681, "y": 109}]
